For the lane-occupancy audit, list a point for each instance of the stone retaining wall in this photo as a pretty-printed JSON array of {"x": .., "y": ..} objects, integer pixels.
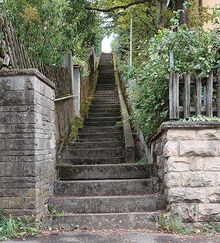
[
  {"x": 188, "y": 158},
  {"x": 27, "y": 141}
]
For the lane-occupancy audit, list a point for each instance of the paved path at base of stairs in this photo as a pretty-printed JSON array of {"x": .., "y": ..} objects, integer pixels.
[{"x": 116, "y": 237}]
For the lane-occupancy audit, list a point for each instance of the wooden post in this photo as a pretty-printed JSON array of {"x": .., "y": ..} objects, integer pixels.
[
  {"x": 198, "y": 86},
  {"x": 187, "y": 95},
  {"x": 171, "y": 96},
  {"x": 218, "y": 93},
  {"x": 209, "y": 110},
  {"x": 174, "y": 95}
]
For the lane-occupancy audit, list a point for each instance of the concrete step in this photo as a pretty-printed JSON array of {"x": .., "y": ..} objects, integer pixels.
[
  {"x": 100, "y": 124},
  {"x": 101, "y": 98},
  {"x": 105, "y": 96},
  {"x": 107, "y": 92},
  {"x": 92, "y": 145},
  {"x": 113, "y": 221},
  {"x": 110, "y": 204},
  {"x": 104, "y": 114},
  {"x": 106, "y": 89},
  {"x": 101, "y": 129},
  {"x": 93, "y": 153},
  {"x": 107, "y": 171},
  {"x": 121, "y": 187},
  {"x": 91, "y": 161},
  {"x": 105, "y": 106},
  {"x": 103, "y": 111},
  {"x": 97, "y": 136},
  {"x": 105, "y": 100},
  {"x": 103, "y": 119}
]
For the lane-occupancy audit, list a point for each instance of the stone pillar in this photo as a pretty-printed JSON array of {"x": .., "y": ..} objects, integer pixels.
[
  {"x": 27, "y": 142},
  {"x": 191, "y": 167},
  {"x": 76, "y": 88},
  {"x": 68, "y": 64}
]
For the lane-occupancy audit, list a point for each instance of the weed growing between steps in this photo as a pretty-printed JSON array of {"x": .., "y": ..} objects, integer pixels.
[
  {"x": 19, "y": 227},
  {"x": 142, "y": 162},
  {"x": 171, "y": 224},
  {"x": 84, "y": 109},
  {"x": 77, "y": 125},
  {"x": 52, "y": 210},
  {"x": 174, "y": 225}
]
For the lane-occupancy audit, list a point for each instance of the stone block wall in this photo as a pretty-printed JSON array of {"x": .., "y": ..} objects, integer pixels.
[
  {"x": 65, "y": 116},
  {"x": 27, "y": 142},
  {"x": 190, "y": 160}
]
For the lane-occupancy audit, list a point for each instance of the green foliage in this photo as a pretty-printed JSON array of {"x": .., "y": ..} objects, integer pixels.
[
  {"x": 200, "y": 118},
  {"x": 173, "y": 224},
  {"x": 119, "y": 124},
  {"x": 78, "y": 123},
  {"x": 50, "y": 29},
  {"x": 20, "y": 227},
  {"x": 212, "y": 225},
  {"x": 83, "y": 65},
  {"x": 84, "y": 109},
  {"x": 195, "y": 51}
]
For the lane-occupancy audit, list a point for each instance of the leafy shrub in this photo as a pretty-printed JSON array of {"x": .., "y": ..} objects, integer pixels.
[{"x": 195, "y": 51}]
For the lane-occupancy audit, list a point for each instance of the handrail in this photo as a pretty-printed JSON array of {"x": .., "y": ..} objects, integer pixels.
[{"x": 66, "y": 97}]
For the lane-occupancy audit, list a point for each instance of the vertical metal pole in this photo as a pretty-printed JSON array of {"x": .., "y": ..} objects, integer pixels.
[{"x": 131, "y": 36}]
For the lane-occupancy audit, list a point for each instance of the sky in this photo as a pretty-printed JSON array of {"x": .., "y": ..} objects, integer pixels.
[{"x": 106, "y": 44}]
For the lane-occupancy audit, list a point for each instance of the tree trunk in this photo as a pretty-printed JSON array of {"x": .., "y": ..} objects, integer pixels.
[{"x": 184, "y": 16}]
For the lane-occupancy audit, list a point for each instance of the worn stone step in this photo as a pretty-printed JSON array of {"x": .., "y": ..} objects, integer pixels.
[
  {"x": 105, "y": 106},
  {"x": 107, "y": 171},
  {"x": 91, "y": 161},
  {"x": 106, "y": 88},
  {"x": 103, "y": 119},
  {"x": 105, "y": 102},
  {"x": 101, "y": 124},
  {"x": 109, "y": 129},
  {"x": 105, "y": 187},
  {"x": 103, "y": 114},
  {"x": 91, "y": 145},
  {"x": 107, "y": 204},
  {"x": 93, "y": 153},
  {"x": 106, "y": 92},
  {"x": 105, "y": 111},
  {"x": 113, "y": 221},
  {"x": 95, "y": 135},
  {"x": 102, "y": 96},
  {"x": 106, "y": 75},
  {"x": 99, "y": 97}
]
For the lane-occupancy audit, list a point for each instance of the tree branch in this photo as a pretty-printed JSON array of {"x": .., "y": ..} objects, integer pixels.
[{"x": 118, "y": 7}]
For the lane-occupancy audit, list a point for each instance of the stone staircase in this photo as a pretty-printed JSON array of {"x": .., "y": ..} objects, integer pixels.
[{"x": 95, "y": 188}]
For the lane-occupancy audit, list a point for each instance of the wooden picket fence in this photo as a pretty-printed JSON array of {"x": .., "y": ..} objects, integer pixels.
[
  {"x": 19, "y": 59},
  {"x": 194, "y": 96}
]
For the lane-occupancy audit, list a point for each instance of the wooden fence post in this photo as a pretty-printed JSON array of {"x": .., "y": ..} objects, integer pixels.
[
  {"x": 187, "y": 95},
  {"x": 209, "y": 110},
  {"x": 198, "y": 86},
  {"x": 174, "y": 95}
]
